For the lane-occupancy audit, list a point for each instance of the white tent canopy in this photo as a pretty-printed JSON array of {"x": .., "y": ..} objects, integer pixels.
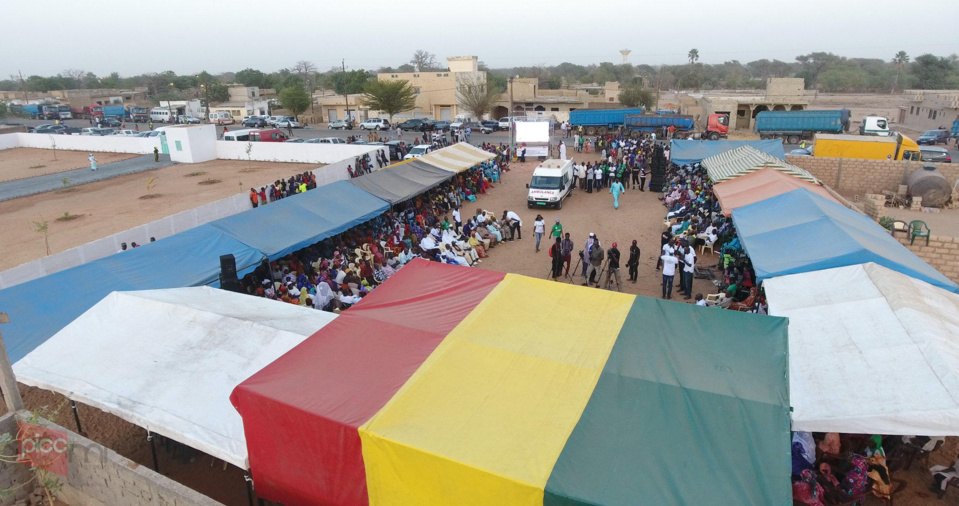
[
  {"x": 871, "y": 351},
  {"x": 167, "y": 360}
]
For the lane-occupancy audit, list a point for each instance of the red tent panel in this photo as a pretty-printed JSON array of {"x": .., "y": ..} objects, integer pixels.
[{"x": 301, "y": 413}]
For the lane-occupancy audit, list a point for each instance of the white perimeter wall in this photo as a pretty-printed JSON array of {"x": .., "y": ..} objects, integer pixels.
[
  {"x": 297, "y": 152},
  {"x": 91, "y": 143}
]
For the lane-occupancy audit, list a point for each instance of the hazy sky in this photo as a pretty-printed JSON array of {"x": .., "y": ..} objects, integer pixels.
[{"x": 186, "y": 36}]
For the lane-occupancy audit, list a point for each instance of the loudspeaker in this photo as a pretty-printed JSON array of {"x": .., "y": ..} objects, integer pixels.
[{"x": 228, "y": 279}]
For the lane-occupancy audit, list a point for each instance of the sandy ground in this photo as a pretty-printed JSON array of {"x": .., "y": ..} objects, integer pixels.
[
  {"x": 22, "y": 163},
  {"x": 945, "y": 222},
  {"x": 640, "y": 217},
  {"x": 108, "y": 207}
]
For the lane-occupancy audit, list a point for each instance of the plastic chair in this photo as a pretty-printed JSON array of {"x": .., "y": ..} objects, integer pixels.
[
  {"x": 900, "y": 226},
  {"x": 918, "y": 228},
  {"x": 705, "y": 245}
]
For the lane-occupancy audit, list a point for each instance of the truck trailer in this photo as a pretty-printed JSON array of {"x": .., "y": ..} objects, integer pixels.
[
  {"x": 600, "y": 121},
  {"x": 115, "y": 111},
  {"x": 717, "y": 125},
  {"x": 868, "y": 147},
  {"x": 138, "y": 114},
  {"x": 86, "y": 112},
  {"x": 794, "y": 126}
]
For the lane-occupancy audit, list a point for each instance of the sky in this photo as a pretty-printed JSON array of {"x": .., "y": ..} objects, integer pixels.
[{"x": 187, "y": 36}]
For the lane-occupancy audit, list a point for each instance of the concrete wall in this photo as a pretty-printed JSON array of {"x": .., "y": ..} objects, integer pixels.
[
  {"x": 292, "y": 152},
  {"x": 859, "y": 177},
  {"x": 92, "y": 143},
  {"x": 98, "y": 476},
  {"x": 941, "y": 253},
  {"x": 197, "y": 143},
  {"x": 13, "y": 476}
]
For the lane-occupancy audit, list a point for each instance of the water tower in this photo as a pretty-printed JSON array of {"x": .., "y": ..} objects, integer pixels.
[{"x": 625, "y": 53}]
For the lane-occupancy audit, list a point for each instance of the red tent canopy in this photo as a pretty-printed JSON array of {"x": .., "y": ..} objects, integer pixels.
[{"x": 760, "y": 185}]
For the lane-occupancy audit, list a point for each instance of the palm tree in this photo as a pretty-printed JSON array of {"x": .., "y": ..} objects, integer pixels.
[
  {"x": 693, "y": 55},
  {"x": 900, "y": 61}
]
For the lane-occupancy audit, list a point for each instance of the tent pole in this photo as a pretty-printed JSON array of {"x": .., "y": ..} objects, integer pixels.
[
  {"x": 8, "y": 382},
  {"x": 76, "y": 416},
  {"x": 249, "y": 487},
  {"x": 153, "y": 450}
]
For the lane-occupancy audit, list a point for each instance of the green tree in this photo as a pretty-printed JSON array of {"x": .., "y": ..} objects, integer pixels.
[
  {"x": 253, "y": 77},
  {"x": 900, "y": 61},
  {"x": 635, "y": 95},
  {"x": 932, "y": 72},
  {"x": 813, "y": 64},
  {"x": 345, "y": 83},
  {"x": 391, "y": 97},
  {"x": 693, "y": 56},
  {"x": 476, "y": 96},
  {"x": 3, "y": 109},
  {"x": 295, "y": 99}
]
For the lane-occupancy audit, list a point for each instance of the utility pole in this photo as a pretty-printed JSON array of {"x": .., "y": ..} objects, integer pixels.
[
  {"x": 23, "y": 87},
  {"x": 346, "y": 97},
  {"x": 512, "y": 129},
  {"x": 8, "y": 382}
]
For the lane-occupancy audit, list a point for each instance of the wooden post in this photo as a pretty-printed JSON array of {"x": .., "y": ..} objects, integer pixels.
[{"x": 8, "y": 382}]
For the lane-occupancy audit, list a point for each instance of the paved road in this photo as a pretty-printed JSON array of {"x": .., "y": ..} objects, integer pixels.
[{"x": 51, "y": 182}]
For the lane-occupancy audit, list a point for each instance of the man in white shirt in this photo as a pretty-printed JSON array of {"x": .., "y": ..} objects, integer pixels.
[
  {"x": 457, "y": 219},
  {"x": 669, "y": 270},
  {"x": 515, "y": 224},
  {"x": 429, "y": 246},
  {"x": 406, "y": 255},
  {"x": 689, "y": 266}
]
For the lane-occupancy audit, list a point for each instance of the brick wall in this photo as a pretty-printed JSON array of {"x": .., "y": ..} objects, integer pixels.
[
  {"x": 12, "y": 476},
  {"x": 99, "y": 476},
  {"x": 859, "y": 177},
  {"x": 942, "y": 253}
]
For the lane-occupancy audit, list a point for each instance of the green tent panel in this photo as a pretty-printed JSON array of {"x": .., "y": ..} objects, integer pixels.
[{"x": 683, "y": 413}]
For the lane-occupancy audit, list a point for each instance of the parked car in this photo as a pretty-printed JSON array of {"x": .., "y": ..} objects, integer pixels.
[
  {"x": 490, "y": 126},
  {"x": 340, "y": 124},
  {"x": 127, "y": 133},
  {"x": 110, "y": 123},
  {"x": 935, "y": 154},
  {"x": 418, "y": 151},
  {"x": 396, "y": 152},
  {"x": 327, "y": 140},
  {"x": 254, "y": 122},
  {"x": 933, "y": 137},
  {"x": 48, "y": 129},
  {"x": 801, "y": 152},
  {"x": 287, "y": 122},
  {"x": 271, "y": 135},
  {"x": 475, "y": 127},
  {"x": 189, "y": 120},
  {"x": 69, "y": 131},
  {"x": 97, "y": 131},
  {"x": 297, "y": 140},
  {"x": 375, "y": 124},
  {"x": 412, "y": 124},
  {"x": 441, "y": 125},
  {"x": 504, "y": 123}
]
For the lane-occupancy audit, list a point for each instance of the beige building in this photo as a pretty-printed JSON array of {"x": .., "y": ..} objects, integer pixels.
[
  {"x": 781, "y": 94},
  {"x": 78, "y": 98},
  {"x": 929, "y": 109},
  {"x": 436, "y": 95},
  {"x": 531, "y": 101}
]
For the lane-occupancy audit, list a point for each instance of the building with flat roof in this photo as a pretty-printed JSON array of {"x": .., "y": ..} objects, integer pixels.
[
  {"x": 781, "y": 94},
  {"x": 929, "y": 109}
]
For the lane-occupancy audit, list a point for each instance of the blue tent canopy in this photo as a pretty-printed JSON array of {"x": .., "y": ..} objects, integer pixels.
[
  {"x": 682, "y": 152},
  {"x": 290, "y": 224},
  {"x": 38, "y": 309},
  {"x": 800, "y": 231}
]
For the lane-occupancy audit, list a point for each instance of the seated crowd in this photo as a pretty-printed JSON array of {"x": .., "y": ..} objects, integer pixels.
[{"x": 340, "y": 270}]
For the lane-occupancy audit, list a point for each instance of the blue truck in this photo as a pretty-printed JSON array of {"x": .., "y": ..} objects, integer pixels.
[
  {"x": 32, "y": 110},
  {"x": 955, "y": 129},
  {"x": 600, "y": 121},
  {"x": 794, "y": 126},
  {"x": 115, "y": 111},
  {"x": 138, "y": 114}
]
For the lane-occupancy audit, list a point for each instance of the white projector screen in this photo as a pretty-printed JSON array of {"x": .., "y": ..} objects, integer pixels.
[{"x": 532, "y": 131}]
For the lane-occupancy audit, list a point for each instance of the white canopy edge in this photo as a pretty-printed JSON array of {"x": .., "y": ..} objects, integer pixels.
[
  {"x": 871, "y": 351},
  {"x": 167, "y": 360}
]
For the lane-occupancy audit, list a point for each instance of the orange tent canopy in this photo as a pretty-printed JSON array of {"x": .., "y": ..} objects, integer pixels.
[{"x": 761, "y": 185}]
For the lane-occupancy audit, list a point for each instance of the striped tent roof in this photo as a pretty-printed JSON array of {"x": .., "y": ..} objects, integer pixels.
[
  {"x": 746, "y": 159},
  {"x": 458, "y": 157}
]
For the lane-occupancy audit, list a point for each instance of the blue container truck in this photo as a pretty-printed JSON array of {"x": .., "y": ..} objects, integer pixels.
[
  {"x": 794, "y": 126},
  {"x": 138, "y": 114},
  {"x": 600, "y": 121},
  {"x": 115, "y": 111},
  {"x": 955, "y": 129},
  {"x": 32, "y": 110}
]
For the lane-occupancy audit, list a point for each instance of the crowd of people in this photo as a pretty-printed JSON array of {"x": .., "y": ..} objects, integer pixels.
[{"x": 339, "y": 271}]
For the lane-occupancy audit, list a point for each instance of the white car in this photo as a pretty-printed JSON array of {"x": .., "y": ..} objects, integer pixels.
[
  {"x": 127, "y": 133},
  {"x": 504, "y": 123},
  {"x": 418, "y": 151},
  {"x": 189, "y": 120},
  {"x": 375, "y": 124},
  {"x": 286, "y": 122}
]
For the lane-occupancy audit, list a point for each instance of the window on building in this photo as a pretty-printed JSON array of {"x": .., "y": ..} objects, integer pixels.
[
  {"x": 416, "y": 91},
  {"x": 556, "y": 109},
  {"x": 611, "y": 99},
  {"x": 416, "y": 75},
  {"x": 439, "y": 74},
  {"x": 446, "y": 74},
  {"x": 929, "y": 116},
  {"x": 394, "y": 76},
  {"x": 911, "y": 107},
  {"x": 934, "y": 114}
]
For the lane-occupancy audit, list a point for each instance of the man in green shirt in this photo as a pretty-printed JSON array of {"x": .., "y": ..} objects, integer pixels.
[
  {"x": 557, "y": 229},
  {"x": 445, "y": 224}
]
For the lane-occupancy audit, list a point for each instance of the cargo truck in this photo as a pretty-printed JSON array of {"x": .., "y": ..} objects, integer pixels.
[
  {"x": 794, "y": 126},
  {"x": 65, "y": 112},
  {"x": 955, "y": 130},
  {"x": 600, "y": 121},
  {"x": 32, "y": 110},
  {"x": 87, "y": 112},
  {"x": 869, "y": 147},
  {"x": 51, "y": 112},
  {"x": 717, "y": 125},
  {"x": 115, "y": 111},
  {"x": 138, "y": 114}
]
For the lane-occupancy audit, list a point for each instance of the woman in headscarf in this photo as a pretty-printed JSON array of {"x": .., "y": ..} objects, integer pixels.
[
  {"x": 856, "y": 481},
  {"x": 830, "y": 484},
  {"x": 830, "y": 445},
  {"x": 807, "y": 490},
  {"x": 803, "y": 452}
]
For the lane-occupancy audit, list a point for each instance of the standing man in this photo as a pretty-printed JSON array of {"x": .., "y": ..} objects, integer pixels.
[
  {"x": 289, "y": 128},
  {"x": 689, "y": 266},
  {"x": 557, "y": 231},
  {"x": 642, "y": 176},
  {"x": 636, "y": 171},
  {"x": 254, "y": 198},
  {"x": 664, "y": 245},
  {"x": 589, "y": 179},
  {"x": 151, "y": 124},
  {"x": 669, "y": 270},
  {"x": 596, "y": 256},
  {"x": 562, "y": 150},
  {"x": 566, "y": 248},
  {"x": 613, "y": 266},
  {"x": 556, "y": 252},
  {"x": 156, "y": 154},
  {"x": 616, "y": 189},
  {"x": 633, "y": 262},
  {"x": 457, "y": 219},
  {"x": 93, "y": 162}
]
